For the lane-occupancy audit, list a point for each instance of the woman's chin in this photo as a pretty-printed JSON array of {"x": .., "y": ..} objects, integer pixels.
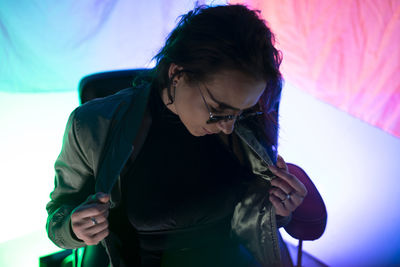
[{"x": 198, "y": 131}]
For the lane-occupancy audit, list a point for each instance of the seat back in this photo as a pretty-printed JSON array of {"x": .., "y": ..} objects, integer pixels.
[
  {"x": 107, "y": 83},
  {"x": 310, "y": 218}
]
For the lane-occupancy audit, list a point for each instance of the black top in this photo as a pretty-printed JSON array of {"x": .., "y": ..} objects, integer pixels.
[{"x": 179, "y": 196}]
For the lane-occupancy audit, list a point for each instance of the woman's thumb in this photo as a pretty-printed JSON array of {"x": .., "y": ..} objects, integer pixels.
[{"x": 103, "y": 197}]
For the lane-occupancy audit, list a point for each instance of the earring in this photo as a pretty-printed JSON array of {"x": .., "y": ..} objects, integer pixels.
[
  {"x": 174, "y": 90},
  {"x": 171, "y": 96}
]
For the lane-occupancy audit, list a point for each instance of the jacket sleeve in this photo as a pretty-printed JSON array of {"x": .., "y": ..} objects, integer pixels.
[{"x": 74, "y": 182}]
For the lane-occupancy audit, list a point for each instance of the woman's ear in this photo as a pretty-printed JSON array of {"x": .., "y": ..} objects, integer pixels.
[{"x": 173, "y": 69}]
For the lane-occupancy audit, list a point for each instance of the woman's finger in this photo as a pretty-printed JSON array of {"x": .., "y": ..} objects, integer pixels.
[
  {"x": 99, "y": 197},
  {"x": 90, "y": 210},
  {"x": 280, "y": 209},
  {"x": 283, "y": 190},
  {"x": 90, "y": 221},
  {"x": 288, "y": 204},
  {"x": 280, "y": 163},
  {"x": 296, "y": 199},
  {"x": 290, "y": 179},
  {"x": 96, "y": 238},
  {"x": 283, "y": 185},
  {"x": 278, "y": 193},
  {"x": 100, "y": 218},
  {"x": 87, "y": 232},
  {"x": 96, "y": 228}
]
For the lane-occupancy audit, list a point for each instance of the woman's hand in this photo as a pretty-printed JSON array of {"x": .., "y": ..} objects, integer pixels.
[
  {"x": 89, "y": 220},
  {"x": 287, "y": 192}
]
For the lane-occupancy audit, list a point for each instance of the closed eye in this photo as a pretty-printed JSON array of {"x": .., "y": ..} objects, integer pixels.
[
  {"x": 224, "y": 110},
  {"x": 217, "y": 110}
]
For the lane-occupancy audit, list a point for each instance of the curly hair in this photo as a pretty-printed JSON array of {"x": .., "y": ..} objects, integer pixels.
[{"x": 232, "y": 37}]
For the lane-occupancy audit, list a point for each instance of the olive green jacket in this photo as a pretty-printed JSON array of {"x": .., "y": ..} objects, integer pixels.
[{"x": 98, "y": 142}]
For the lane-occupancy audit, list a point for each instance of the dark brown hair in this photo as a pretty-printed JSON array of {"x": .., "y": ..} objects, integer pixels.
[{"x": 233, "y": 37}]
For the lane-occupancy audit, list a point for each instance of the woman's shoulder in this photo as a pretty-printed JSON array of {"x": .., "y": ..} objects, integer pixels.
[
  {"x": 105, "y": 105},
  {"x": 101, "y": 112}
]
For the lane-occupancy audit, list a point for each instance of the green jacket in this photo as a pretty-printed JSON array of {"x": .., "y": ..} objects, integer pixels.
[{"x": 98, "y": 142}]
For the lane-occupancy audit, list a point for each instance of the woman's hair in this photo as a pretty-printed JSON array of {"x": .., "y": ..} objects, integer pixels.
[{"x": 233, "y": 37}]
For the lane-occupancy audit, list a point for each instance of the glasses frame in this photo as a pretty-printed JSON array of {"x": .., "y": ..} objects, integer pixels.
[{"x": 217, "y": 118}]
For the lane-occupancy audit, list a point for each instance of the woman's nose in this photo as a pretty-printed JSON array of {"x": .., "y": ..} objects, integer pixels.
[{"x": 226, "y": 126}]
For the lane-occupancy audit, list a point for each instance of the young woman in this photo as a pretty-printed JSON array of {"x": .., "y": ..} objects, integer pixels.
[{"x": 183, "y": 171}]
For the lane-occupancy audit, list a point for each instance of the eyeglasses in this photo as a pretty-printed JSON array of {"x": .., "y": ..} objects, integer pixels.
[{"x": 216, "y": 118}]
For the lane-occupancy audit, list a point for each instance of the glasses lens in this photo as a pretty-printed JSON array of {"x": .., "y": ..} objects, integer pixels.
[
  {"x": 215, "y": 118},
  {"x": 212, "y": 120},
  {"x": 250, "y": 114}
]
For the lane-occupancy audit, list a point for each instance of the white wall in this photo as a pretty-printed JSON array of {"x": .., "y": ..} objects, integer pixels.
[{"x": 356, "y": 168}]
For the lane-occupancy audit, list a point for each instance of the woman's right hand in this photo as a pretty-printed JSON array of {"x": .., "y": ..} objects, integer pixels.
[{"x": 89, "y": 220}]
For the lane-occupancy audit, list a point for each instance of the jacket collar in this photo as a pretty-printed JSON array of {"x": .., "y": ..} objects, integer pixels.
[{"x": 256, "y": 153}]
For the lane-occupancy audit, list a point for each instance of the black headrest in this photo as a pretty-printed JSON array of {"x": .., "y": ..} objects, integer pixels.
[{"x": 107, "y": 83}]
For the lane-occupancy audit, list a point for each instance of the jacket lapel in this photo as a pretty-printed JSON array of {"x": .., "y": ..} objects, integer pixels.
[
  {"x": 254, "y": 221},
  {"x": 119, "y": 146}
]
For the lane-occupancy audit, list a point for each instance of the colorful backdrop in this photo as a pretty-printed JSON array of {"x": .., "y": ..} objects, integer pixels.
[{"x": 344, "y": 52}]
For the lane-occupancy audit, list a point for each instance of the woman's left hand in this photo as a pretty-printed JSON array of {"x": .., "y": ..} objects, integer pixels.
[{"x": 287, "y": 192}]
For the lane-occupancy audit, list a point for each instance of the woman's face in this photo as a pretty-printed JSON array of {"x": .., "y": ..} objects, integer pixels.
[{"x": 225, "y": 93}]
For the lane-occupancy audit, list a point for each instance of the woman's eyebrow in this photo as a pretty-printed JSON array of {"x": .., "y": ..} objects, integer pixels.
[{"x": 221, "y": 104}]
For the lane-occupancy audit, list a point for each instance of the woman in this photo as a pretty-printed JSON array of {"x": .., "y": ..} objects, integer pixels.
[{"x": 180, "y": 171}]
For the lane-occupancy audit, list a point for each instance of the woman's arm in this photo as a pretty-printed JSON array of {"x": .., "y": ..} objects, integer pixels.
[{"x": 74, "y": 182}]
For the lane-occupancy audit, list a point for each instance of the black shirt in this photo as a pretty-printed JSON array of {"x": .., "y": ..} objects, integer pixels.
[{"x": 179, "y": 195}]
